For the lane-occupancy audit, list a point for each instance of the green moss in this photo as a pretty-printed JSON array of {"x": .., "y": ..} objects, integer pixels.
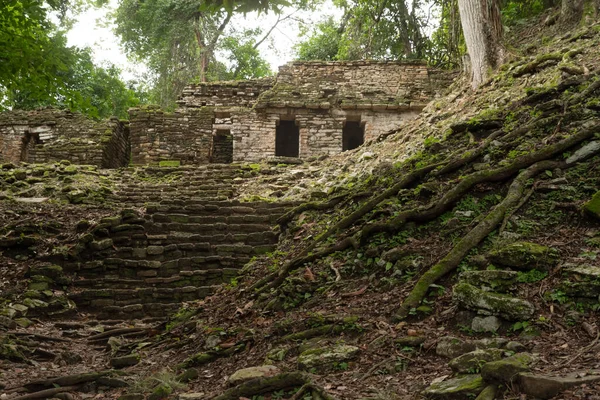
[
  {"x": 459, "y": 388},
  {"x": 525, "y": 255},
  {"x": 169, "y": 163},
  {"x": 592, "y": 207},
  {"x": 502, "y": 305}
]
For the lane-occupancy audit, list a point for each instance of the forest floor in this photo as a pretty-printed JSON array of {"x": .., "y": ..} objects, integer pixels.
[{"x": 383, "y": 275}]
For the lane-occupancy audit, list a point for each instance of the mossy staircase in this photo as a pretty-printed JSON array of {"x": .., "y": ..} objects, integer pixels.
[{"x": 192, "y": 237}]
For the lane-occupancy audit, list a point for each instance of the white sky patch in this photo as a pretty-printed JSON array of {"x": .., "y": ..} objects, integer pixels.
[{"x": 94, "y": 30}]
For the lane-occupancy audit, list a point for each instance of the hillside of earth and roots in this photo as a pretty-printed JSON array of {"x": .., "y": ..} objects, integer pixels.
[{"x": 456, "y": 258}]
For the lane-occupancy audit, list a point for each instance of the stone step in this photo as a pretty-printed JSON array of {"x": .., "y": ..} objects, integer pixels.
[
  {"x": 190, "y": 242},
  {"x": 138, "y": 311},
  {"x": 148, "y": 269},
  {"x": 208, "y": 229},
  {"x": 178, "y": 188},
  {"x": 183, "y": 278},
  {"x": 212, "y": 219},
  {"x": 142, "y": 200},
  {"x": 234, "y": 206},
  {"x": 188, "y": 191},
  {"x": 107, "y": 297}
]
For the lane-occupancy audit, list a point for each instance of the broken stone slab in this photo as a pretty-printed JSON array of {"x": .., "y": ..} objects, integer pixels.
[
  {"x": 525, "y": 256},
  {"x": 453, "y": 347},
  {"x": 247, "y": 374},
  {"x": 547, "y": 387},
  {"x": 488, "y": 324},
  {"x": 326, "y": 356},
  {"x": 489, "y": 393},
  {"x": 460, "y": 388},
  {"x": 192, "y": 396},
  {"x": 473, "y": 361},
  {"x": 508, "y": 369},
  {"x": 491, "y": 303},
  {"x": 581, "y": 281},
  {"x": 32, "y": 200},
  {"x": 490, "y": 280}
]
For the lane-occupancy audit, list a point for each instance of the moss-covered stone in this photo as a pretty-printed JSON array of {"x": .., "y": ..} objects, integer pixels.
[
  {"x": 326, "y": 357},
  {"x": 494, "y": 280},
  {"x": 460, "y": 388},
  {"x": 491, "y": 303},
  {"x": 101, "y": 244},
  {"x": 592, "y": 207},
  {"x": 525, "y": 255},
  {"x": 246, "y": 374},
  {"x": 472, "y": 362},
  {"x": 505, "y": 371}
]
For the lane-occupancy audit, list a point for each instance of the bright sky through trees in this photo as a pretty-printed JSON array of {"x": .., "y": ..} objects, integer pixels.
[{"x": 94, "y": 30}]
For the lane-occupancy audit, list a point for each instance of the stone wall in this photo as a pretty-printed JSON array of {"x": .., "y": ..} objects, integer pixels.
[
  {"x": 184, "y": 135},
  {"x": 320, "y": 97},
  {"x": 47, "y": 135},
  {"x": 231, "y": 93}
]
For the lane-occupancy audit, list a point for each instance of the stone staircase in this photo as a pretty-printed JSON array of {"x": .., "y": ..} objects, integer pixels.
[
  {"x": 190, "y": 239},
  {"x": 160, "y": 184}
]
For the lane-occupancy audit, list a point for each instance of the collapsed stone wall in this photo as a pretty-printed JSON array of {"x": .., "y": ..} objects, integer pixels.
[
  {"x": 230, "y": 93},
  {"x": 47, "y": 135},
  {"x": 184, "y": 135}
]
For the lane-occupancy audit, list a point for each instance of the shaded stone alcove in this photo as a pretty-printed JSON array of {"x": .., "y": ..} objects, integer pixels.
[
  {"x": 353, "y": 135},
  {"x": 287, "y": 139}
]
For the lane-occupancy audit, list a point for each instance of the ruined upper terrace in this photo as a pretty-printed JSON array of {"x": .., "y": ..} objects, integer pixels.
[{"x": 381, "y": 85}]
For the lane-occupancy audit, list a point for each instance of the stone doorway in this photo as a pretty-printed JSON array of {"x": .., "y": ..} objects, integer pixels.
[
  {"x": 287, "y": 139},
  {"x": 353, "y": 135},
  {"x": 222, "y": 147},
  {"x": 28, "y": 142}
]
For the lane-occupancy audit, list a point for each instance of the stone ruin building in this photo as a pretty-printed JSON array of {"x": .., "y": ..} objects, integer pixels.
[
  {"x": 49, "y": 134},
  {"x": 309, "y": 109}
]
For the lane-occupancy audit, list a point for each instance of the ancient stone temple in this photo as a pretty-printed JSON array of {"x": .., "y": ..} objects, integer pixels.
[
  {"x": 49, "y": 134},
  {"x": 309, "y": 109}
]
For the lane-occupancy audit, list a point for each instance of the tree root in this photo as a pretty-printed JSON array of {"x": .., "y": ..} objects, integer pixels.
[
  {"x": 276, "y": 279},
  {"x": 271, "y": 384},
  {"x": 68, "y": 380},
  {"x": 375, "y": 201},
  {"x": 320, "y": 206},
  {"x": 473, "y": 238},
  {"x": 534, "y": 65},
  {"x": 439, "y": 206},
  {"x": 424, "y": 213},
  {"x": 205, "y": 358},
  {"x": 318, "y": 331},
  {"x": 115, "y": 332},
  {"x": 512, "y": 211},
  {"x": 46, "y": 394}
]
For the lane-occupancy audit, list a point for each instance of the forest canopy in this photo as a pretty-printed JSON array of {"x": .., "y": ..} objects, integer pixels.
[{"x": 183, "y": 41}]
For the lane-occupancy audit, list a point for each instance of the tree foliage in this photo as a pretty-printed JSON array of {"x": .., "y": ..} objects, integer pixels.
[
  {"x": 37, "y": 68},
  {"x": 179, "y": 40}
]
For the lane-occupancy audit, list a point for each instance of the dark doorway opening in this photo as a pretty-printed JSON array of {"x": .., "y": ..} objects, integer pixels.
[
  {"x": 29, "y": 141},
  {"x": 222, "y": 147},
  {"x": 287, "y": 139},
  {"x": 353, "y": 135}
]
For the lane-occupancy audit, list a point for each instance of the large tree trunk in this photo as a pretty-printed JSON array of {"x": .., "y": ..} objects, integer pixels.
[
  {"x": 571, "y": 11},
  {"x": 482, "y": 28}
]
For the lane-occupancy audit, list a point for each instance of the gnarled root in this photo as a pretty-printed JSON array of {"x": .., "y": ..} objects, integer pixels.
[
  {"x": 474, "y": 237},
  {"x": 271, "y": 384},
  {"x": 438, "y": 207}
]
